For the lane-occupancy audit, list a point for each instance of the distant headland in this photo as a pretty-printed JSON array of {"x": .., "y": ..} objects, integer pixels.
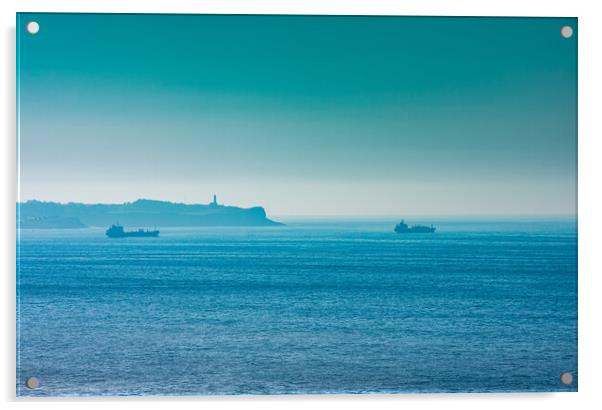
[{"x": 140, "y": 213}]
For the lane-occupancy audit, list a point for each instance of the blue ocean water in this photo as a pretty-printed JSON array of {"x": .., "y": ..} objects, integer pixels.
[{"x": 312, "y": 307}]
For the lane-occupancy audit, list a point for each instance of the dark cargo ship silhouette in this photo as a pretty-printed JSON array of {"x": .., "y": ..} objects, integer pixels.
[
  {"x": 116, "y": 231},
  {"x": 402, "y": 227}
]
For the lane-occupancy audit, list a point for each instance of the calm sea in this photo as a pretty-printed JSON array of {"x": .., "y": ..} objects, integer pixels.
[{"x": 312, "y": 307}]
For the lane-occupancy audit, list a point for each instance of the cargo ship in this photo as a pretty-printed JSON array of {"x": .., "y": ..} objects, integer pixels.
[
  {"x": 402, "y": 227},
  {"x": 117, "y": 231}
]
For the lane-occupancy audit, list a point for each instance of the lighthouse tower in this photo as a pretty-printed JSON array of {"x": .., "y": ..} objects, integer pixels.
[{"x": 214, "y": 203}]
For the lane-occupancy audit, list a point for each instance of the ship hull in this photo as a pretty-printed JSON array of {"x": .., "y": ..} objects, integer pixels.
[
  {"x": 117, "y": 231},
  {"x": 151, "y": 234},
  {"x": 425, "y": 230}
]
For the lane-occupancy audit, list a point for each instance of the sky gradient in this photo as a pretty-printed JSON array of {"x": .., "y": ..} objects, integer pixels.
[{"x": 302, "y": 115}]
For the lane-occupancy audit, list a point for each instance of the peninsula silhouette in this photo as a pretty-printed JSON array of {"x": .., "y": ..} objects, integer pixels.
[{"x": 142, "y": 212}]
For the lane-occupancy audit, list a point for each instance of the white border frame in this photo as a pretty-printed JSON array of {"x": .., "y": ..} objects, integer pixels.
[{"x": 590, "y": 227}]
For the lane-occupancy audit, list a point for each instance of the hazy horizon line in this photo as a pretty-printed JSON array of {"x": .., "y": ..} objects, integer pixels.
[
  {"x": 338, "y": 216},
  {"x": 436, "y": 216}
]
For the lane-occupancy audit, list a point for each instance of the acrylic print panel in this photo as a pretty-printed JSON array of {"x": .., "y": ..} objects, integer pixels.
[{"x": 214, "y": 204}]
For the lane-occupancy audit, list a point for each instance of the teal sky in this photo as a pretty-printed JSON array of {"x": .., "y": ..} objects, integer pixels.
[{"x": 303, "y": 115}]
